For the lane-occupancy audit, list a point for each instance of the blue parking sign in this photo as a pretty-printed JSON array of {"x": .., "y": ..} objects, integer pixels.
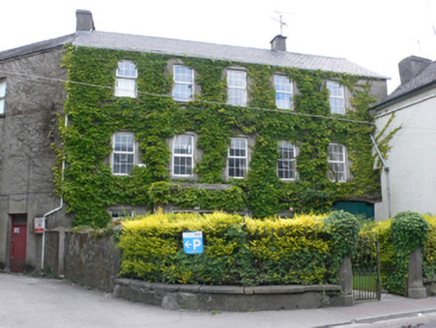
[{"x": 193, "y": 242}]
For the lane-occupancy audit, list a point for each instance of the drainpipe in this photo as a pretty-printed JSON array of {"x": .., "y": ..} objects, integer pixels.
[
  {"x": 52, "y": 211},
  {"x": 386, "y": 169}
]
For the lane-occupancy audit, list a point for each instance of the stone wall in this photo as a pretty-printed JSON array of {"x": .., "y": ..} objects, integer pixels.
[
  {"x": 27, "y": 130},
  {"x": 229, "y": 298},
  {"x": 92, "y": 261}
]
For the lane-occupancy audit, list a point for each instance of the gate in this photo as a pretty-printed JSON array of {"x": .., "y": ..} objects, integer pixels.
[{"x": 366, "y": 269}]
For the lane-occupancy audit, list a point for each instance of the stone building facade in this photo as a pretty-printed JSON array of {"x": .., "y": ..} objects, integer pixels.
[{"x": 46, "y": 107}]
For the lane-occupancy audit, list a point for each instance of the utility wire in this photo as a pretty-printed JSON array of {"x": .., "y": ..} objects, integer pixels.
[{"x": 51, "y": 79}]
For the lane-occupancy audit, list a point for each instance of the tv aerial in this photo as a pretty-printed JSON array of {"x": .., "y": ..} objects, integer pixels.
[{"x": 280, "y": 20}]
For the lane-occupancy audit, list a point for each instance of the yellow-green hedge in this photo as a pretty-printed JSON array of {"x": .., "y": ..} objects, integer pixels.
[{"x": 307, "y": 249}]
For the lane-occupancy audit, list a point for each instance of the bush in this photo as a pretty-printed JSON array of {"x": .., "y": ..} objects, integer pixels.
[
  {"x": 398, "y": 237},
  {"x": 237, "y": 250}
]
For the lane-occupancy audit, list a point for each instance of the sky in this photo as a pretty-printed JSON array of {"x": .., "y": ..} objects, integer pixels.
[{"x": 375, "y": 34}]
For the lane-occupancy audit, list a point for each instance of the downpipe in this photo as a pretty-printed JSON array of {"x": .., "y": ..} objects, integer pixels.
[
  {"x": 386, "y": 169},
  {"x": 61, "y": 205}
]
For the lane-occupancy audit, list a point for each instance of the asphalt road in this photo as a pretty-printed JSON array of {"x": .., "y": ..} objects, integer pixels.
[{"x": 27, "y": 301}]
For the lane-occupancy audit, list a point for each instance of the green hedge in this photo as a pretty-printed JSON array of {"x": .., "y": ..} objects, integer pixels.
[
  {"x": 398, "y": 237},
  {"x": 308, "y": 249}
]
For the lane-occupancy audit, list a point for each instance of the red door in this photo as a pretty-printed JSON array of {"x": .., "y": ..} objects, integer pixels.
[{"x": 17, "y": 260}]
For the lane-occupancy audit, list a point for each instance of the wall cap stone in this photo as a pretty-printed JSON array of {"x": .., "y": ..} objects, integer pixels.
[{"x": 207, "y": 289}]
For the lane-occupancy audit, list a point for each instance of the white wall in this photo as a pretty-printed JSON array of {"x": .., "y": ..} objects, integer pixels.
[{"x": 412, "y": 158}]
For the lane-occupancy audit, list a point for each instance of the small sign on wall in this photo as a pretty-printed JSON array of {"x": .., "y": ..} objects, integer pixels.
[{"x": 39, "y": 225}]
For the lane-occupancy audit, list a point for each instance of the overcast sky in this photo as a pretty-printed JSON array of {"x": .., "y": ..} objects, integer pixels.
[{"x": 375, "y": 34}]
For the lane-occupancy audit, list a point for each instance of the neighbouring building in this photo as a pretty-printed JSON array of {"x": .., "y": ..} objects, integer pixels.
[
  {"x": 407, "y": 118},
  {"x": 95, "y": 126}
]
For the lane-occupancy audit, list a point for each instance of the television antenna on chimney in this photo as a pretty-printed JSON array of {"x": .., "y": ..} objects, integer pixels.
[{"x": 280, "y": 20}]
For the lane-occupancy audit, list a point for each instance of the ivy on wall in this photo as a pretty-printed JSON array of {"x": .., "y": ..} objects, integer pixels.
[{"x": 94, "y": 115}]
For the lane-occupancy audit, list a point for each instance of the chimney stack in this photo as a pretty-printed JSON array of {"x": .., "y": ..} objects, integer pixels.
[
  {"x": 411, "y": 67},
  {"x": 279, "y": 43},
  {"x": 84, "y": 21}
]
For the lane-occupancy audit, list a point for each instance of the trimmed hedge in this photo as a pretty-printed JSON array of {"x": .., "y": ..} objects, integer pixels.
[{"x": 308, "y": 249}]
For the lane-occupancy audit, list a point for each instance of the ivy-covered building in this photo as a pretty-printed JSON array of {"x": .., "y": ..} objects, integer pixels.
[{"x": 132, "y": 123}]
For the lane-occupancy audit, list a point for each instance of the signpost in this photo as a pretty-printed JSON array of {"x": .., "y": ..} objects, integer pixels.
[{"x": 193, "y": 242}]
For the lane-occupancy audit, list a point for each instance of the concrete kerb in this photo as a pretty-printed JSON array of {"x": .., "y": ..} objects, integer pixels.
[
  {"x": 390, "y": 308},
  {"x": 375, "y": 319}
]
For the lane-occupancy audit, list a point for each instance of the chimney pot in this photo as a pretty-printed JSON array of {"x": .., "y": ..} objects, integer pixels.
[
  {"x": 84, "y": 21},
  {"x": 279, "y": 43}
]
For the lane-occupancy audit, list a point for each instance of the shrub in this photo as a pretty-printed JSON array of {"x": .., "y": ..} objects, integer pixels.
[
  {"x": 398, "y": 237},
  {"x": 307, "y": 249}
]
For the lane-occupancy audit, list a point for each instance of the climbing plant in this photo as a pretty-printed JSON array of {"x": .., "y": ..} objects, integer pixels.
[{"x": 95, "y": 114}]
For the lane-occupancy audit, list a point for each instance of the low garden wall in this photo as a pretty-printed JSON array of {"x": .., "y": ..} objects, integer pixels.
[
  {"x": 87, "y": 258},
  {"x": 247, "y": 264},
  {"x": 230, "y": 298}
]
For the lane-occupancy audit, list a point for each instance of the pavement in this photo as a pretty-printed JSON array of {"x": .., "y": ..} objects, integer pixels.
[{"x": 29, "y": 301}]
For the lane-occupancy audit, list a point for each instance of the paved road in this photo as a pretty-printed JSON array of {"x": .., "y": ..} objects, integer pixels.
[
  {"x": 27, "y": 301},
  {"x": 41, "y": 302}
]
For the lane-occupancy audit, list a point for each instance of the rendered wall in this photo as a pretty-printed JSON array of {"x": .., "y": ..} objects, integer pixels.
[
  {"x": 27, "y": 131},
  {"x": 412, "y": 156}
]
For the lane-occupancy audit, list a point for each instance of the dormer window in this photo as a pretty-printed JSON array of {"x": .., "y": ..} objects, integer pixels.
[
  {"x": 283, "y": 87},
  {"x": 183, "y": 83},
  {"x": 336, "y": 97},
  {"x": 237, "y": 87},
  {"x": 125, "y": 85}
]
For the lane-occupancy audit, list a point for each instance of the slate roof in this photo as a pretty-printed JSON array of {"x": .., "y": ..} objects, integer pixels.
[
  {"x": 426, "y": 78},
  {"x": 139, "y": 43},
  {"x": 36, "y": 47},
  {"x": 220, "y": 52}
]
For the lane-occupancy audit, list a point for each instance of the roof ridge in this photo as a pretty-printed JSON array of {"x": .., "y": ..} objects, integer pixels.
[
  {"x": 200, "y": 49},
  {"x": 213, "y": 44}
]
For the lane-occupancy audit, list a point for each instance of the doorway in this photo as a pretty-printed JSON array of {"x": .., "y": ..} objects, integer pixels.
[
  {"x": 17, "y": 249},
  {"x": 357, "y": 208}
]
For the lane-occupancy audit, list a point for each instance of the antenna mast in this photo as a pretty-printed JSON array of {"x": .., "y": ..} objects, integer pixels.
[{"x": 281, "y": 22}]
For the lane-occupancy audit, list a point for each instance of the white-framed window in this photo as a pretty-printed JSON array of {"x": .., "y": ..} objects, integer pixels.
[
  {"x": 183, "y": 89},
  {"x": 238, "y": 157},
  {"x": 2, "y": 96},
  {"x": 125, "y": 85},
  {"x": 120, "y": 214},
  {"x": 336, "y": 97},
  {"x": 286, "y": 163},
  {"x": 283, "y": 86},
  {"x": 337, "y": 162},
  {"x": 123, "y": 153},
  {"x": 236, "y": 87},
  {"x": 183, "y": 155}
]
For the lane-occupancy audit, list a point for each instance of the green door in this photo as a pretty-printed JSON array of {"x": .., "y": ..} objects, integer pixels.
[{"x": 356, "y": 208}]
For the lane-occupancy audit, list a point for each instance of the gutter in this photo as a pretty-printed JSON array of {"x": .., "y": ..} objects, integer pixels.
[{"x": 403, "y": 95}]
